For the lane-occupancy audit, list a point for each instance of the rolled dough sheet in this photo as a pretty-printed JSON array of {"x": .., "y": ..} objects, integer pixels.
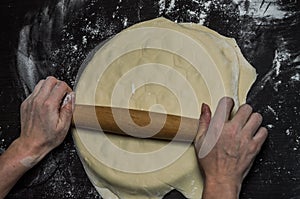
[{"x": 161, "y": 66}]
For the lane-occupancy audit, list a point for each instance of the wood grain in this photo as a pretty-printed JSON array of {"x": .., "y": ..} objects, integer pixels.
[{"x": 137, "y": 123}]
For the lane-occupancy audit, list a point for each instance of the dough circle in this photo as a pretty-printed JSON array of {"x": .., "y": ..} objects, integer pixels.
[{"x": 161, "y": 66}]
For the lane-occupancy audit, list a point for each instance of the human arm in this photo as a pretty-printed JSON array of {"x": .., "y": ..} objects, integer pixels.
[
  {"x": 227, "y": 161},
  {"x": 45, "y": 121}
]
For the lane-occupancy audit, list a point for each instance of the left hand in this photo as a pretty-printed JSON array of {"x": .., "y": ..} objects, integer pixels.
[{"x": 45, "y": 119}]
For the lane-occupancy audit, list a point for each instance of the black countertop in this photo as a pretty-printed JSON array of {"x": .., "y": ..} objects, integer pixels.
[{"x": 52, "y": 37}]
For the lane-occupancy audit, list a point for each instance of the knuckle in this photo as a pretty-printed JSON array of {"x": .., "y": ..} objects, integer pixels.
[
  {"x": 257, "y": 116},
  {"x": 229, "y": 132},
  {"x": 248, "y": 107},
  {"x": 63, "y": 85},
  {"x": 69, "y": 112},
  {"x": 42, "y": 81},
  {"x": 47, "y": 104},
  {"x": 51, "y": 79},
  {"x": 233, "y": 127},
  {"x": 228, "y": 101}
]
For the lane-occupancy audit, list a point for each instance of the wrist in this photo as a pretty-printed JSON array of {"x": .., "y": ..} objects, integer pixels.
[
  {"x": 222, "y": 180},
  {"x": 221, "y": 188},
  {"x": 29, "y": 154}
]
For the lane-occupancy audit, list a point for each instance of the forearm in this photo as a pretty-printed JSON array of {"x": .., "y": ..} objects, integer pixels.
[
  {"x": 14, "y": 162},
  {"x": 217, "y": 190},
  {"x": 44, "y": 125}
]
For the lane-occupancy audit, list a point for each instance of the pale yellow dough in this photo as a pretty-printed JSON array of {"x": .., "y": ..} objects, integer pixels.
[{"x": 178, "y": 66}]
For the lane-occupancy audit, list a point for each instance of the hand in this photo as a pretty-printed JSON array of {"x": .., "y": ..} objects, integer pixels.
[
  {"x": 237, "y": 142},
  {"x": 45, "y": 119}
]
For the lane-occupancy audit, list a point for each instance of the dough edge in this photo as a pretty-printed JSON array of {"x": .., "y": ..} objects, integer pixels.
[{"x": 246, "y": 70}]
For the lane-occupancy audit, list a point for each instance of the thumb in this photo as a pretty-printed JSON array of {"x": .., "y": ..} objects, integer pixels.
[
  {"x": 67, "y": 109},
  {"x": 203, "y": 125}
]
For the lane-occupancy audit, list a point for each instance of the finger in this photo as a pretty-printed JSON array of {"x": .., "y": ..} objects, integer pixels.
[
  {"x": 58, "y": 93},
  {"x": 37, "y": 88},
  {"x": 223, "y": 110},
  {"x": 260, "y": 137},
  {"x": 203, "y": 125},
  {"x": 35, "y": 91},
  {"x": 215, "y": 127},
  {"x": 242, "y": 115},
  {"x": 66, "y": 111},
  {"x": 252, "y": 124},
  {"x": 46, "y": 88}
]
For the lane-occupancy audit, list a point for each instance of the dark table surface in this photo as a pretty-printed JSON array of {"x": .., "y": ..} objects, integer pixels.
[{"x": 52, "y": 37}]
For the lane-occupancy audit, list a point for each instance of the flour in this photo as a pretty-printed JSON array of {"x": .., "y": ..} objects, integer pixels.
[
  {"x": 260, "y": 9},
  {"x": 125, "y": 22},
  {"x": 2, "y": 146},
  {"x": 248, "y": 18},
  {"x": 162, "y": 6},
  {"x": 296, "y": 77},
  {"x": 288, "y": 132},
  {"x": 84, "y": 40},
  {"x": 26, "y": 63},
  {"x": 281, "y": 55},
  {"x": 199, "y": 11},
  {"x": 272, "y": 110},
  {"x": 29, "y": 161}
]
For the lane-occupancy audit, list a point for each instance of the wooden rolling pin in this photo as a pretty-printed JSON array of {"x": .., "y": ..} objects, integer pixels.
[{"x": 137, "y": 123}]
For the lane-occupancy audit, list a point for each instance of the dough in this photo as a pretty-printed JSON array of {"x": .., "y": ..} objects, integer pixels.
[{"x": 161, "y": 66}]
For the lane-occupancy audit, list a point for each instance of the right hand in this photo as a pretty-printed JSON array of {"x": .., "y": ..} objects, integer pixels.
[{"x": 239, "y": 141}]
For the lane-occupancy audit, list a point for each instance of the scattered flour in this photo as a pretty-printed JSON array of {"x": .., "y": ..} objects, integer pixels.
[
  {"x": 260, "y": 9},
  {"x": 199, "y": 11},
  {"x": 257, "y": 9},
  {"x": 296, "y": 77},
  {"x": 272, "y": 110}
]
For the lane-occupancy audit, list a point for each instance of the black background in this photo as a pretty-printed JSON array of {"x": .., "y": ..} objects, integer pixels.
[{"x": 54, "y": 43}]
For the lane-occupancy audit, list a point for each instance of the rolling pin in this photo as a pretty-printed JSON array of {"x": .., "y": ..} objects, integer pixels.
[{"x": 136, "y": 123}]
